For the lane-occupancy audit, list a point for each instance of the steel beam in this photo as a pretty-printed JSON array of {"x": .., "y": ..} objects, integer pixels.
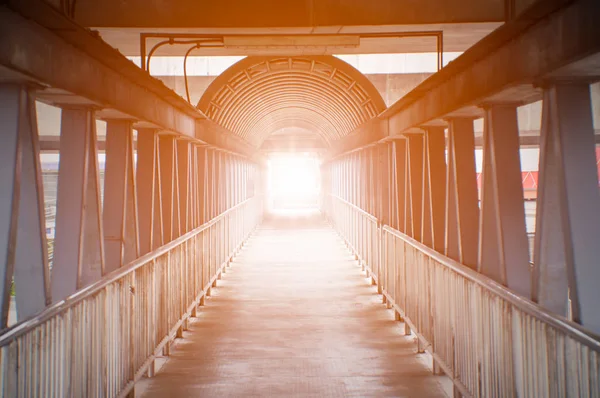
[
  {"x": 356, "y": 177},
  {"x": 78, "y": 68},
  {"x": 42, "y": 55},
  {"x": 79, "y": 243},
  {"x": 23, "y": 247},
  {"x": 503, "y": 245},
  {"x": 400, "y": 158},
  {"x": 169, "y": 186},
  {"x": 202, "y": 183},
  {"x": 372, "y": 181},
  {"x": 391, "y": 179},
  {"x": 183, "y": 171},
  {"x": 294, "y": 14},
  {"x": 211, "y": 195},
  {"x": 218, "y": 186},
  {"x": 568, "y": 214},
  {"x": 462, "y": 207},
  {"x": 415, "y": 186},
  {"x": 193, "y": 199},
  {"x": 383, "y": 177},
  {"x": 474, "y": 77},
  {"x": 148, "y": 185},
  {"x": 121, "y": 240},
  {"x": 434, "y": 187}
]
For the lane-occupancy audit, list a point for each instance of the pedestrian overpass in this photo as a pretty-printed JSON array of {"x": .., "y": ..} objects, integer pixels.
[{"x": 173, "y": 277}]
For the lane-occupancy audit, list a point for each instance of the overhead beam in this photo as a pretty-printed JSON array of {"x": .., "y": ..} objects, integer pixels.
[
  {"x": 78, "y": 68},
  {"x": 474, "y": 77},
  {"x": 291, "y": 13},
  {"x": 367, "y": 133}
]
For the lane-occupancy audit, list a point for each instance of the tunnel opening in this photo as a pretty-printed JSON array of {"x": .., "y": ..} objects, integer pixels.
[{"x": 294, "y": 182}]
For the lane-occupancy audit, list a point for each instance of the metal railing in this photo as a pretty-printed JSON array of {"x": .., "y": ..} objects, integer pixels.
[
  {"x": 358, "y": 228},
  {"x": 101, "y": 340},
  {"x": 488, "y": 340}
]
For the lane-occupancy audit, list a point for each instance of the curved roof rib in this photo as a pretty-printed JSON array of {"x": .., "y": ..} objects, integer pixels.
[{"x": 260, "y": 95}]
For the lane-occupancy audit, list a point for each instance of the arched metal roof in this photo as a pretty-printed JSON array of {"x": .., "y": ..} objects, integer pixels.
[{"x": 260, "y": 95}]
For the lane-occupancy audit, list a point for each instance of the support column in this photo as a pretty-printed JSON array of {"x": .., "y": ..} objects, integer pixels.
[
  {"x": 120, "y": 205},
  {"x": 229, "y": 174},
  {"x": 217, "y": 183},
  {"x": 238, "y": 184},
  {"x": 400, "y": 172},
  {"x": 361, "y": 190},
  {"x": 183, "y": 171},
  {"x": 377, "y": 182},
  {"x": 415, "y": 185},
  {"x": 343, "y": 182},
  {"x": 232, "y": 180},
  {"x": 568, "y": 211},
  {"x": 384, "y": 183},
  {"x": 169, "y": 187},
  {"x": 148, "y": 184},
  {"x": 221, "y": 182},
  {"x": 462, "y": 203},
  {"x": 351, "y": 178},
  {"x": 503, "y": 247},
  {"x": 210, "y": 173},
  {"x": 193, "y": 188},
  {"x": 23, "y": 246},
  {"x": 201, "y": 184},
  {"x": 79, "y": 243},
  {"x": 371, "y": 179},
  {"x": 434, "y": 188},
  {"x": 391, "y": 182},
  {"x": 243, "y": 181}
]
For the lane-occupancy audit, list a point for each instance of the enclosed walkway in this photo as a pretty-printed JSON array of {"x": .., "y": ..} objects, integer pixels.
[
  {"x": 148, "y": 268},
  {"x": 294, "y": 316}
]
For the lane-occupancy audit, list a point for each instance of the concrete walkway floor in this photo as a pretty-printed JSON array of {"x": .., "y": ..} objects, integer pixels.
[{"x": 294, "y": 316}]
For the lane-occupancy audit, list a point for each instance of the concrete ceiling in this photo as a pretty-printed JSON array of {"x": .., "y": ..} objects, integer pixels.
[
  {"x": 320, "y": 14},
  {"x": 463, "y": 23}
]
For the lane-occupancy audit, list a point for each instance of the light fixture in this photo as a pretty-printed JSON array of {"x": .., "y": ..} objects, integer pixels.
[{"x": 291, "y": 41}]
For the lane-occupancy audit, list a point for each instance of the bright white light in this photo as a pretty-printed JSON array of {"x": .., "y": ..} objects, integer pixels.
[{"x": 294, "y": 181}]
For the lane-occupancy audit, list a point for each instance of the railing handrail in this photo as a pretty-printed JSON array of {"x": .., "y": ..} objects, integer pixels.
[
  {"x": 365, "y": 213},
  {"x": 572, "y": 329},
  {"x": 24, "y": 327}
]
